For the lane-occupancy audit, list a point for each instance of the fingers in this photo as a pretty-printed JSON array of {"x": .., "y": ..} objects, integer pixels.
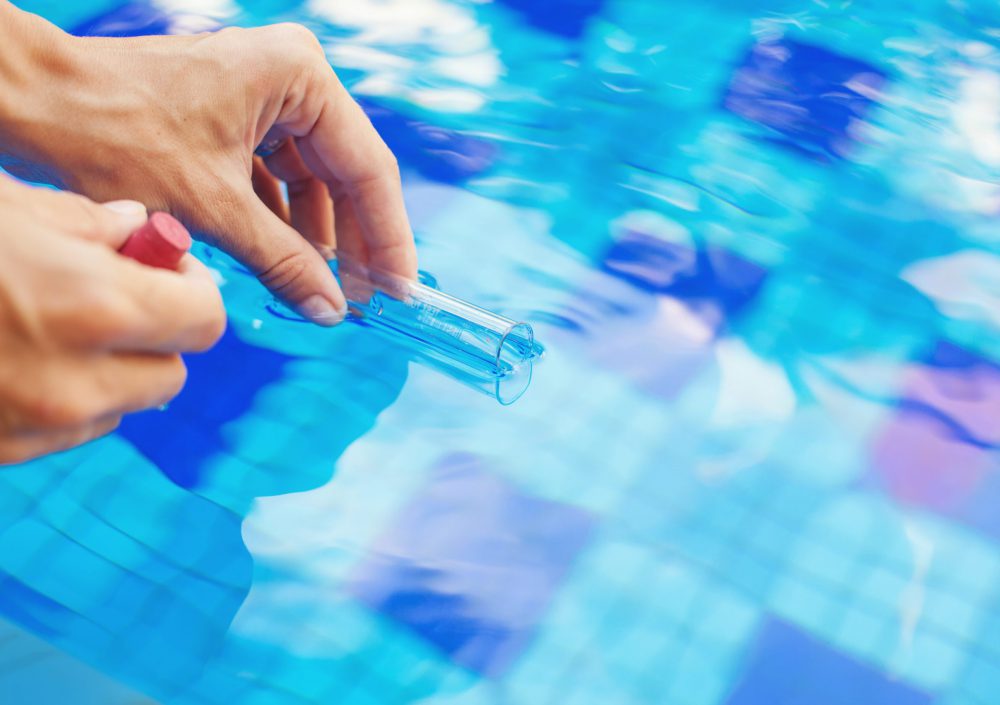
[
  {"x": 163, "y": 311},
  {"x": 376, "y": 196},
  {"x": 268, "y": 189},
  {"x": 284, "y": 261},
  {"x": 312, "y": 213},
  {"x": 350, "y": 237},
  {"x": 110, "y": 224},
  {"x": 128, "y": 382},
  {"x": 82, "y": 391},
  {"x": 351, "y": 154}
]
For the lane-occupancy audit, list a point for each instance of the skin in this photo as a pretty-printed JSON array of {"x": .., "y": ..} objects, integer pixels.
[
  {"x": 171, "y": 123},
  {"x": 87, "y": 335}
]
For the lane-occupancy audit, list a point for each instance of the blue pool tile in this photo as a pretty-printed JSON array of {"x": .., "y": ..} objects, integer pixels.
[
  {"x": 789, "y": 667},
  {"x": 693, "y": 275},
  {"x": 29, "y": 608},
  {"x": 650, "y": 629},
  {"x": 938, "y": 449},
  {"x": 121, "y": 573},
  {"x": 853, "y": 570},
  {"x": 566, "y": 18},
  {"x": 221, "y": 387},
  {"x": 136, "y": 19},
  {"x": 980, "y": 682},
  {"x": 27, "y": 667},
  {"x": 435, "y": 152},
  {"x": 659, "y": 330},
  {"x": 471, "y": 565},
  {"x": 744, "y": 525},
  {"x": 811, "y": 96}
]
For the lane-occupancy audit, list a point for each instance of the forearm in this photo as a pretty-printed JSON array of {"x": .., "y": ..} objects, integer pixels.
[
  {"x": 37, "y": 65},
  {"x": 66, "y": 102}
]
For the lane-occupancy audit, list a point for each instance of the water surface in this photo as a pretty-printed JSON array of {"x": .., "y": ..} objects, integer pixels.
[{"x": 759, "y": 463}]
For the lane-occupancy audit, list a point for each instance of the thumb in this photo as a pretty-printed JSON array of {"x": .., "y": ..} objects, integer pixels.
[
  {"x": 73, "y": 214},
  {"x": 110, "y": 224},
  {"x": 284, "y": 261},
  {"x": 126, "y": 217}
]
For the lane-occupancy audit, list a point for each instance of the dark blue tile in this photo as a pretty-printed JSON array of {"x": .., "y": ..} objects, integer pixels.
[
  {"x": 789, "y": 667},
  {"x": 949, "y": 356},
  {"x": 567, "y": 18},
  {"x": 437, "y": 153},
  {"x": 137, "y": 19},
  {"x": 659, "y": 331},
  {"x": 810, "y": 96},
  {"x": 221, "y": 387},
  {"x": 471, "y": 564},
  {"x": 704, "y": 275}
]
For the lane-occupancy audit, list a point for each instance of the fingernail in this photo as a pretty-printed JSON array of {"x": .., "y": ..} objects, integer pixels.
[
  {"x": 319, "y": 310},
  {"x": 126, "y": 207}
]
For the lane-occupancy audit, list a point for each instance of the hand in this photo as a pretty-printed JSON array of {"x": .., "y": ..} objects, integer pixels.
[
  {"x": 87, "y": 335},
  {"x": 173, "y": 122}
]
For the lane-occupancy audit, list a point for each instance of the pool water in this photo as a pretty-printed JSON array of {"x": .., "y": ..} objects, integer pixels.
[{"x": 759, "y": 464}]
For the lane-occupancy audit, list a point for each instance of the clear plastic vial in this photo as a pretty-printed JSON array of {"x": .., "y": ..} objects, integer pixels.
[{"x": 480, "y": 348}]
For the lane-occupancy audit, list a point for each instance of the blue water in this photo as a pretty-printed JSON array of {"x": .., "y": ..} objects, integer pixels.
[{"x": 760, "y": 464}]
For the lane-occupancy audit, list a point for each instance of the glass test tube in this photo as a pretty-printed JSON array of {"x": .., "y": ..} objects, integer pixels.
[
  {"x": 469, "y": 335},
  {"x": 483, "y": 350}
]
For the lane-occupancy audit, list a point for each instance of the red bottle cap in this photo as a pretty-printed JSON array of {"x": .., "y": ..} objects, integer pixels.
[{"x": 161, "y": 242}]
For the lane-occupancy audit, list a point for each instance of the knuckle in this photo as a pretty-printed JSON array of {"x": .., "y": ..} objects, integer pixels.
[
  {"x": 82, "y": 217},
  {"x": 281, "y": 276},
  {"x": 65, "y": 410},
  {"x": 295, "y": 43},
  {"x": 111, "y": 317},
  {"x": 384, "y": 167},
  {"x": 296, "y": 35},
  {"x": 53, "y": 398},
  {"x": 229, "y": 33},
  {"x": 390, "y": 164}
]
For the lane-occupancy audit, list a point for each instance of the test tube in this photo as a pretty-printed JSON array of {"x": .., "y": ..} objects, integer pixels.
[
  {"x": 485, "y": 350},
  {"x": 481, "y": 340}
]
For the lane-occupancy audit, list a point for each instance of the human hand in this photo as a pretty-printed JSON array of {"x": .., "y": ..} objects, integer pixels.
[
  {"x": 87, "y": 335},
  {"x": 173, "y": 122}
]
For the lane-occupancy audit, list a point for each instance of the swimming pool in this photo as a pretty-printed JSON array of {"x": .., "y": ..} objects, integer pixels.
[{"x": 758, "y": 465}]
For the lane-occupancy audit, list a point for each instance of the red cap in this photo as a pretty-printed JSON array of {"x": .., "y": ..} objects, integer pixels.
[{"x": 162, "y": 242}]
